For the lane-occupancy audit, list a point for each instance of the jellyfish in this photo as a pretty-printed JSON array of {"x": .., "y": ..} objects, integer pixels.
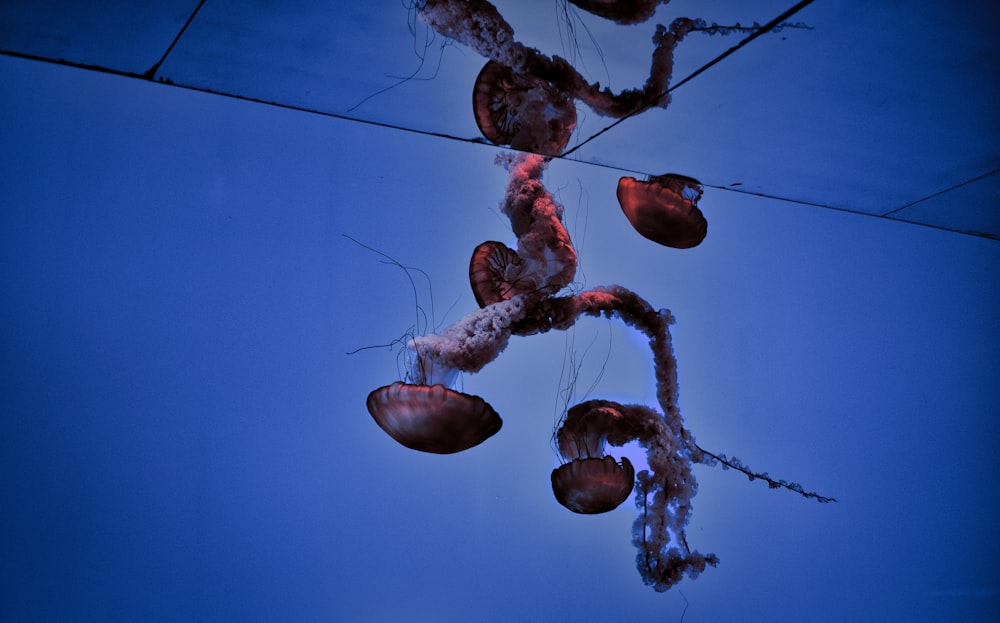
[
  {"x": 423, "y": 412},
  {"x": 621, "y": 11},
  {"x": 664, "y": 209},
  {"x": 664, "y": 493},
  {"x": 525, "y": 97},
  {"x": 590, "y": 482},
  {"x": 433, "y": 418},
  {"x": 593, "y": 485},
  {"x": 495, "y": 272},
  {"x": 545, "y": 261},
  {"x": 521, "y": 111}
]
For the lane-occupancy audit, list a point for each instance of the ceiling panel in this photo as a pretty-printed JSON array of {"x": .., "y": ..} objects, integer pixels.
[{"x": 873, "y": 107}]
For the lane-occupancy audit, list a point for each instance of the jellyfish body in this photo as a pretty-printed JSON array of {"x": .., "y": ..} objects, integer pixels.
[
  {"x": 621, "y": 11},
  {"x": 496, "y": 273},
  {"x": 590, "y": 485},
  {"x": 590, "y": 482},
  {"x": 433, "y": 418},
  {"x": 525, "y": 112},
  {"x": 664, "y": 209}
]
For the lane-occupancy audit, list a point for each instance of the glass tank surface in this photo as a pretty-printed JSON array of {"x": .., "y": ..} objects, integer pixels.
[{"x": 493, "y": 311}]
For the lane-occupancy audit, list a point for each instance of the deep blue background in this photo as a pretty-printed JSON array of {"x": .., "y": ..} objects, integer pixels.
[{"x": 184, "y": 438}]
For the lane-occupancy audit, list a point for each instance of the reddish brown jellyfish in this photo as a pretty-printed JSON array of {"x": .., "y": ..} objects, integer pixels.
[
  {"x": 621, "y": 11},
  {"x": 433, "y": 418},
  {"x": 590, "y": 485},
  {"x": 543, "y": 87},
  {"x": 527, "y": 113},
  {"x": 495, "y": 272},
  {"x": 664, "y": 492},
  {"x": 664, "y": 209},
  {"x": 591, "y": 482},
  {"x": 423, "y": 413},
  {"x": 545, "y": 261}
]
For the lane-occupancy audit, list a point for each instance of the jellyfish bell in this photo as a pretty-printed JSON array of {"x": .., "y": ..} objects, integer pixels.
[
  {"x": 687, "y": 187},
  {"x": 423, "y": 413},
  {"x": 495, "y": 273},
  {"x": 664, "y": 209},
  {"x": 590, "y": 486},
  {"x": 527, "y": 113},
  {"x": 591, "y": 482},
  {"x": 433, "y": 418},
  {"x": 621, "y": 11}
]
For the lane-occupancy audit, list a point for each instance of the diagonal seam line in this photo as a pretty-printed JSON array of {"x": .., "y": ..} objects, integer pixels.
[
  {"x": 941, "y": 192},
  {"x": 642, "y": 108},
  {"x": 896, "y": 219},
  {"x": 155, "y": 68},
  {"x": 477, "y": 141}
]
